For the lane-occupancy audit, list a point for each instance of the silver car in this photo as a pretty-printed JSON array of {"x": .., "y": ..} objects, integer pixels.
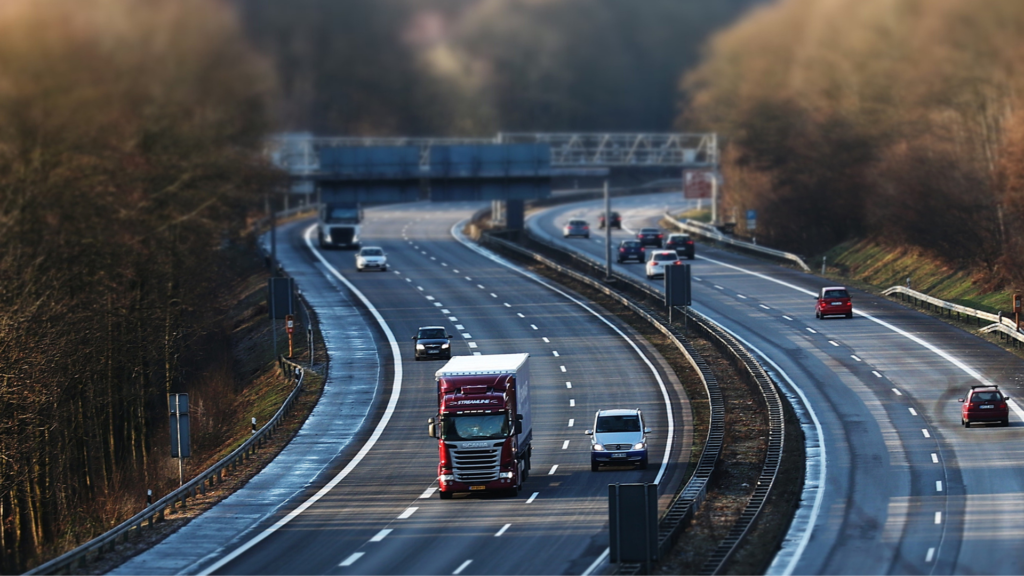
[
  {"x": 619, "y": 437},
  {"x": 371, "y": 258}
]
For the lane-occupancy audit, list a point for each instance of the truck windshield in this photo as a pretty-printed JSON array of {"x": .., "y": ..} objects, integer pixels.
[
  {"x": 475, "y": 427},
  {"x": 343, "y": 215}
]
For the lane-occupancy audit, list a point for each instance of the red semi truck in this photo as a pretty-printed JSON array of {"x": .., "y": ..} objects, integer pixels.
[{"x": 483, "y": 425}]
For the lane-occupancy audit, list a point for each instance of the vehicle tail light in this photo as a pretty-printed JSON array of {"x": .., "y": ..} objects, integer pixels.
[
  {"x": 689, "y": 242},
  {"x": 678, "y": 262},
  {"x": 642, "y": 249},
  {"x": 622, "y": 249},
  {"x": 660, "y": 235},
  {"x": 586, "y": 227}
]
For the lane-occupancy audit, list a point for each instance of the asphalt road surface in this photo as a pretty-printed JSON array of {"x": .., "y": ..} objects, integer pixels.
[{"x": 906, "y": 489}]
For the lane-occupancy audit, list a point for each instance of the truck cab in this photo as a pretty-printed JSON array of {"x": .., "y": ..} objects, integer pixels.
[{"x": 338, "y": 225}]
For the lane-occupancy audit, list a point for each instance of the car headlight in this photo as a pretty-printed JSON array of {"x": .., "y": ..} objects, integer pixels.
[
  {"x": 421, "y": 347},
  {"x": 445, "y": 346},
  {"x": 639, "y": 446},
  {"x": 598, "y": 447}
]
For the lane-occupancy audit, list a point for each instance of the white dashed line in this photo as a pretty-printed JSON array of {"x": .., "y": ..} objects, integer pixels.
[
  {"x": 925, "y": 432},
  {"x": 397, "y": 272},
  {"x": 423, "y": 252},
  {"x": 938, "y": 485},
  {"x": 462, "y": 567},
  {"x": 443, "y": 311},
  {"x": 472, "y": 344},
  {"x": 763, "y": 306},
  {"x": 520, "y": 314},
  {"x": 534, "y": 326},
  {"x": 938, "y": 517},
  {"x": 552, "y": 471},
  {"x": 420, "y": 288},
  {"x": 408, "y": 279},
  {"x": 913, "y": 412},
  {"x": 697, "y": 279},
  {"x": 532, "y": 497},
  {"x": 935, "y": 458},
  {"x": 428, "y": 492},
  {"x": 568, "y": 384},
  {"x": 741, "y": 296},
  {"x": 445, "y": 264},
  {"x": 565, "y": 445},
  {"x": 433, "y": 258},
  {"x": 719, "y": 287},
  {"x": 466, "y": 335},
  {"x": 468, "y": 279},
  {"x": 455, "y": 271},
  {"x": 502, "y": 531},
  {"x": 854, "y": 356},
  {"x": 833, "y": 342},
  {"x": 381, "y": 535},
  {"x": 438, "y": 304},
  {"x": 460, "y": 327},
  {"x": 493, "y": 295},
  {"x": 930, "y": 555},
  {"x": 571, "y": 422},
  {"x": 453, "y": 319},
  {"x": 812, "y": 330},
  {"x": 876, "y": 373},
  {"x": 898, "y": 393},
  {"x": 555, "y": 352},
  {"x": 507, "y": 305},
  {"x": 352, "y": 559},
  {"x": 572, "y": 402},
  {"x": 430, "y": 298},
  {"x": 545, "y": 339},
  {"x": 563, "y": 368},
  {"x": 787, "y": 317},
  {"x": 408, "y": 512},
  {"x": 480, "y": 286}
]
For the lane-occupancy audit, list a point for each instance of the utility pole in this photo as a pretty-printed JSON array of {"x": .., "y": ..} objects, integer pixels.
[
  {"x": 714, "y": 199},
  {"x": 607, "y": 232}
]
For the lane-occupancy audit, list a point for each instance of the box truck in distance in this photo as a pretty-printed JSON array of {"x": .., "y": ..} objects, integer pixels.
[{"x": 483, "y": 425}]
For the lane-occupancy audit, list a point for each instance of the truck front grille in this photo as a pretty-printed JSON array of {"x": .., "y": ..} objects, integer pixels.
[
  {"x": 476, "y": 464},
  {"x": 342, "y": 235}
]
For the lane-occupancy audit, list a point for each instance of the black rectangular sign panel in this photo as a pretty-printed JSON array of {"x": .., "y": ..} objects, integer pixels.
[
  {"x": 280, "y": 297},
  {"x": 677, "y": 286}
]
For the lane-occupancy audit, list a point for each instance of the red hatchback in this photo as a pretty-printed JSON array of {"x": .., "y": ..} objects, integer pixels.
[
  {"x": 984, "y": 404},
  {"x": 833, "y": 301}
]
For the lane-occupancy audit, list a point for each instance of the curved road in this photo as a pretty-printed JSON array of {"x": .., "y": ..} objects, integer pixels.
[
  {"x": 383, "y": 517},
  {"x": 907, "y": 489}
]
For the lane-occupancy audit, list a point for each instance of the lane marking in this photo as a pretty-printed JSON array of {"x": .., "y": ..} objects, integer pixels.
[
  {"x": 468, "y": 279},
  {"x": 552, "y": 471},
  {"x": 438, "y": 304},
  {"x": 925, "y": 432},
  {"x": 408, "y": 512},
  {"x": 502, "y": 531},
  {"x": 898, "y": 393},
  {"x": 480, "y": 286},
  {"x": 938, "y": 485},
  {"x": 472, "y": 344},
  {"x": 428, "y": 492},
  {"x": 460, "y": 327},
  {"x": 572, "y": 402},
  {"x": 466, "y": 335},
  {"x": 430, "y": 298},
  {"x": 719, "y": 287},
  {"x": 507, "y": 305},
  {"x": 938, "y": 517},
  {"x": 741, "y": 296},
  {"x": 545, "y": 339},
  {"x": 571, "y": 422},
  {"x": 477, "y": 354},
  {"x": 854, "y": 356},
  {"x": 462, "y": 567},
  {"x": 396, "y": 390},
  {"x": 812, "y": 330},
  {"x": 445, "y": 311},
  {"x": 565, "y": 445},
  {"x": 563, "y": 368},
  {"x": 452, "y": 318},
  {"x": 697, "y": 279},
  {"x": 568, "y": 384},
  {"x": 594, "y": 565},
  {"x": 534, "y": 326},
  {"x": 408, "y": 279},
  {"x": 532, "y": 497},
  {"x": 381, "y": 535},
  {"x": 765, "y": 307},
  {"x": 935, "y": 458},
  {"x": 876, "y": 373},
  {"x": 913, "y": 412},
  {"x": 833, "y": 342},
  {"x": 930, "y": 555},
  {"x": 520, "y": 314},
  {"x": 445, "y": 264},
  {"x": 455, "y": 271},
  {"x": 555, "y": 352},
  {"x": 433, "y": 258},
  {"x": 787, "y": 317},
  {"x": 352, "y": 559},
  {"x": 493, "y": 295}
]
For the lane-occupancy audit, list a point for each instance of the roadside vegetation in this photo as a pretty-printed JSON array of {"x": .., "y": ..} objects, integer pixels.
[
  {"x": 129, "y": 173},
  {"x": 895, "y": 126}
]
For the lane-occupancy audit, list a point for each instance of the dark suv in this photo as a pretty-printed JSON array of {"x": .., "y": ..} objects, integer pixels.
[
  {"x": 984, "y": 404},
  {"x": 615, "y": 223},
  {"x": 682, "y": 244},
  {"x": 433, "y": 342},
  {"x": 649, "y": 237},
  {"x": 629, "y": 249}
]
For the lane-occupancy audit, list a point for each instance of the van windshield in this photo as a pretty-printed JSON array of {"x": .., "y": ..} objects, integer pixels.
[{"x": 618, "y": 424}]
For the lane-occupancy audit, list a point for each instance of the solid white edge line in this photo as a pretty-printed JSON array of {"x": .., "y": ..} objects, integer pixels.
[
  {"x": 604, "y": 556},
  {"x": 396, "y": 391},
  {"x": 670, "y": 437}
]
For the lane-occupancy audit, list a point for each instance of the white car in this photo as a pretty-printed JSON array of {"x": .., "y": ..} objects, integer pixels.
[
  {"x": 371, "y": 258},
  {"x": 659, "y": 259}
]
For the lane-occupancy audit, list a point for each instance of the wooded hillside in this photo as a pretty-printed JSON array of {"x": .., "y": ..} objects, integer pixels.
[
  {"x": 896, "y": 119},
  {"x": 129, "y": 138}
]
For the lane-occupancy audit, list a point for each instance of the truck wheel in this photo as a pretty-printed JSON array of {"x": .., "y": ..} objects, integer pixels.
[{"x": 444, "y": 495}]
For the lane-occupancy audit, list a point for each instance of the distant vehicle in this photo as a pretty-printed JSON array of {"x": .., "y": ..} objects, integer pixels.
[
  {"x": 338, "y": 225},
  {"x": 984, "y": 404},
  {"x": 616, "y": 220},
  {"x": 483, "y": 424},
  {"x": 630, "y": 249},
  {"x": 433, "y": 342},
  {"x": 650, "y": 237},
  {"x": 833, "y": 301},
  {"x": 371, "y": 258},
  {"x": 659, "y": 259},
  {"x": 576, "y": 228},
  {"x": 682, "y": 244},
  {"x": 618, "y": 437}
]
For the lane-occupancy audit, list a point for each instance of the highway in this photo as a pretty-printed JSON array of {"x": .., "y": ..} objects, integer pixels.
[
  {"x": 383, "y": 516},
  {"x": 907, "y": 490}
]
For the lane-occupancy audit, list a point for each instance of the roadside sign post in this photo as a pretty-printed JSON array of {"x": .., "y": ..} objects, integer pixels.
[
  {"x": 607, "y": 232},
  {"x": 181, "y": 446},
  {"x": 677, "y": 288},
  {"x": 289, "y": 326},
  {"x": 281, "y": 302},
  {"x": 1017, "y": 309}
]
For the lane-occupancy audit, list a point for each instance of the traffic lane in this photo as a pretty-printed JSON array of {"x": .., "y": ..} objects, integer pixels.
[{"x": 419, "y": 259}]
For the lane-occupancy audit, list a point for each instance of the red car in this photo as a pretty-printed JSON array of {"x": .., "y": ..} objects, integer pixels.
[
  {"x": 833, "y": 301},
  {"x": 984, "y": 404}
]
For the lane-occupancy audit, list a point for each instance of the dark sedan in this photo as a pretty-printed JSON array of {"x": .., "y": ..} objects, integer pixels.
[
  {"x": 629, "y": 250},
  {"x": 682, "y": 244},
  {"x": 433, "y": 342},
  {"x": 649, "y": 237},
  {"x": 616, "y": 220}
]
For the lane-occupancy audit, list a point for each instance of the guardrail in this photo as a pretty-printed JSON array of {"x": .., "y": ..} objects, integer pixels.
[
  {"x": 76, "y": 560},
  {"x": 999, "y": 323},
  {"x": 710, "y": 232},
  {"x": 689, "y": 500}
]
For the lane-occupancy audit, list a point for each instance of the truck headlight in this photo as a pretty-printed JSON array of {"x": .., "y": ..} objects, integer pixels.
[
  {"x": 446, "y": 477},
  {"x": 639, "y": 446},
  {"x": 421, "y": 347},
  {"x": 505, "y": 474},
  {"x": 597, "y": 447},
  {"x": 445, "y": 346}
]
